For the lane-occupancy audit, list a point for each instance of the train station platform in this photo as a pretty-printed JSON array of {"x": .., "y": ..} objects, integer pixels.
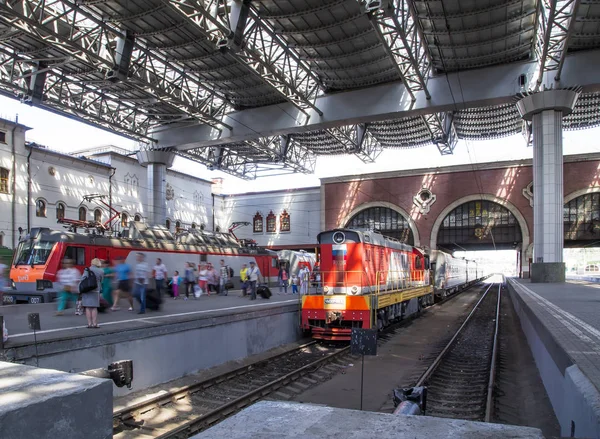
[
  {"x": 562, "y": 325},
  {"x": 285, "y": 420},
  {"x": 176, "y": 340}
]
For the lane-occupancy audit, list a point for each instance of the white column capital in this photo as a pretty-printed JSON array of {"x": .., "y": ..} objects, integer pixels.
[{"x": 562, "y": 100}]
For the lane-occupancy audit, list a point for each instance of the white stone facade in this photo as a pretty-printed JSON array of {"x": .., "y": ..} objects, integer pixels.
[
  {"x": 60, "y": 181},
  {"x": 302, "y": 205}
]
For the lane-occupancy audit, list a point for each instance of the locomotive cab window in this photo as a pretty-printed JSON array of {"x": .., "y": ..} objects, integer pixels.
[
  {"x": 418, "y": 264},
  {"x": 76, "y": 254}
]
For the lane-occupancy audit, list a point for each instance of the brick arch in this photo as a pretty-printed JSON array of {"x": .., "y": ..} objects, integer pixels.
[
  {"x": 580, "y": 192},
  {"x": 404, "y": 213},
  {"x": 476, "y": 197}
]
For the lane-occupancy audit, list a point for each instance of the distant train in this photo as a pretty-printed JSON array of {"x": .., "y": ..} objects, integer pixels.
[
  {"x": 369, "y": 280},
  {"x": 39, "y": 255},
  {"x": 294, "y": 260}
]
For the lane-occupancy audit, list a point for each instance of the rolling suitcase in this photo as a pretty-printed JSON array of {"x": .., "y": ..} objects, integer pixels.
[
  {"x": 263, "y": 291},
  {"x": 153, "y": 302}
]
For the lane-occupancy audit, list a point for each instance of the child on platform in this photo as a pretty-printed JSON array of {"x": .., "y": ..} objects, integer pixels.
[
  {"x": 294, "y": 284},
  {"x": 175, "y": 284}
]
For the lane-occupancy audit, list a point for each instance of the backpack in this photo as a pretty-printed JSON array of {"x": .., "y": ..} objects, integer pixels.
[
  {"x": 88, "y": 283},
  {"x": 230, "y": 270}
]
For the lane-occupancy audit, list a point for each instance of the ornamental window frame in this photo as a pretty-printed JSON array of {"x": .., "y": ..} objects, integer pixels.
[
  {"x": 284, "y": 222},
  {"x": 257, "y": 223},
  {"x": 271, "y": 223}
]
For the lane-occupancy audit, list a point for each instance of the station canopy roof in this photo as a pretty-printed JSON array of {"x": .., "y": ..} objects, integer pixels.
[{"x": 147, "y": 69}]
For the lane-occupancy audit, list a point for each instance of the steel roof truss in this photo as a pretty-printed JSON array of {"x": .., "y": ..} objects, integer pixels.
[
  {"x": 357, "y": 140},
  {"x": 555, "y": 24},
  {"x": 253, "y": 43},
  {"x": 396, "y": 28},
  {"x": 73, "y": 99},
  {"x": 60, "y": 23},
  {"x": 443, "y": 132}
]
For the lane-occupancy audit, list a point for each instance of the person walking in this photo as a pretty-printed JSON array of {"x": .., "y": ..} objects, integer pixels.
[
  {"x": 213, "y": 278},
  {"x": 140, "y": 280},
  {"x": 160, "y": 274},
  {"x": 175, "y": 284},
  {"x": 304, "y": 276},
  {"x": 203, "y": 279},
  {"x": 244, "y": 279},
  {"x": 107, "y": 280},
  {"x": 91, "y": 299},
  {"x": 68, "y": 277},
  {"x": 284, "y": 279},
  {"x": 189, "y": 280},
  {"x": 123, "y": 276},
  {"x": 253, "y": 277},
  {"x": 223, "y": 278}
]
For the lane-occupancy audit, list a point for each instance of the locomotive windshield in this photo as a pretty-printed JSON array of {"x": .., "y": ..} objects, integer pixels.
[{"x": 32, "y": 252}]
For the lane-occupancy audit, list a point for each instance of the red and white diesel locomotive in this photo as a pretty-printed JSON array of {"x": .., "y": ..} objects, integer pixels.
[
  {"x": 39, "y": 254},
  {"x": 369, "y": 280}
]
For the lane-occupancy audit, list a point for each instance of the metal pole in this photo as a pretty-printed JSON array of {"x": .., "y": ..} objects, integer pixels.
[
  {"x": 37, "y": 358},
  {"x": 362, "y": 373},
  {"x": 2, "y": 330}
]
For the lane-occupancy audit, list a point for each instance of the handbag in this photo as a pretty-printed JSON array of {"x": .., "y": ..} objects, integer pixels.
[{"x": 229, "y": 285}]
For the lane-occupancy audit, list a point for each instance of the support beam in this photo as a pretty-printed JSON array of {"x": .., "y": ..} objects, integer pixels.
[
  {"x": 476, "y": 88},
  {"x": 555, "y": 24},
  {"x": 255, "y": 45},
  {"x": 262, "y": 157},
  {"x": 399, "y": 33},
  {"x": 357, "y": 140},
  {"x": 443, "y": 132}
]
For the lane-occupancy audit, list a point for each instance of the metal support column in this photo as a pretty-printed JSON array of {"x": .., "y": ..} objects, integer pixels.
[
  {"x": 546, "y": 110},
  {"x": 157, "y": 162}
]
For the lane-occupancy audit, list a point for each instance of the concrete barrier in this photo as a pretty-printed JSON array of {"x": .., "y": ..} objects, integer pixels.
[
  {"x": 163, "y": 352},
  {"x": 47, "y": 404},
  {"x": 575, "y": 400}
]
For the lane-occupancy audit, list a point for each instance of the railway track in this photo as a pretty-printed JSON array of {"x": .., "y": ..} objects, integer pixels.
[
  {"x": 460, "y": 379},
  {"x": 180, "y": 413}
]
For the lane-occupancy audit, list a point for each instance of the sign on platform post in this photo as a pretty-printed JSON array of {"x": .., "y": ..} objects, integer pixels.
[{"x": 363, "y": 342}]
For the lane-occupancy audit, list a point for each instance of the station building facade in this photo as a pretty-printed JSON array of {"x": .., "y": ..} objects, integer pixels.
[{"x": 38, "y": 186}]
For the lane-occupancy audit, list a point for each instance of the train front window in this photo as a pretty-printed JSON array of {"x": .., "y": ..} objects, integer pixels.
[{"x": 34, "y": 253}]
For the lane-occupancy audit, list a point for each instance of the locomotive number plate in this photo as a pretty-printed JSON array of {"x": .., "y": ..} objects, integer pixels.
[{"x": 335, "y": 302}]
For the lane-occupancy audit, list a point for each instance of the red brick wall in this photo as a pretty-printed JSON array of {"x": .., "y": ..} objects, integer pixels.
[{"x": 508, "y": 183}]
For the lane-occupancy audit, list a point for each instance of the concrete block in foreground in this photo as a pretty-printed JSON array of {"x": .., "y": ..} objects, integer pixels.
[
  {"x": 286, "y": 420},
  {"x": 48, "y": 404}
]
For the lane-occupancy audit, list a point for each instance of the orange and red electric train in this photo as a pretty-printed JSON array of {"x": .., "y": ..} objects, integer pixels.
[{"x": 369, "y": 280}]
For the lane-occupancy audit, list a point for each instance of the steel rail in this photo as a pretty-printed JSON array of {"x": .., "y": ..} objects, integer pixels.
[
  {"x": 199, "y": 423},
  {"x": 490, "y": 388},
  {"x": 126, "y": 413},
  {"x": 439, "y": 358}
]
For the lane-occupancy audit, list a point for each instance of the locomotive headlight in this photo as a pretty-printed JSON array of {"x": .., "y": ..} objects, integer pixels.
[
  {"x": 326, "y": 289},
  {"x": 354, "y": 289}
]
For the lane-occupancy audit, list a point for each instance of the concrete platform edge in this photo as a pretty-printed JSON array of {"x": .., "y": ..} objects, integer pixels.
[
  {"x": 574, "y": 398},
  {"x": 24, "y": 351}
]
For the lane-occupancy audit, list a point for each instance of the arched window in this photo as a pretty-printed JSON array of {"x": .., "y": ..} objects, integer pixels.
[
  {"x": 193, "y": 225},
  {"x": 60, "y": 211},
  {"x": 40, "y": 208},
  {"x": 98, "y": 215},
  {"x": 257, "y": 223},
  {"x": 218, "y": 229},
  {"x": 82, "y": 214},
  {"x": 4, "y": 174},
  {"x": 386, "y": 221},
  {"x": 202, "y": 226},
  {"x": 177, "y": 225},
  {"x": 168, "y": 224},
  {"x": 137, "y": 218},
  {"x": 271, "y": 222},
  {"x": 284, "y": 221},
  {"x": 124, "y": 220}
]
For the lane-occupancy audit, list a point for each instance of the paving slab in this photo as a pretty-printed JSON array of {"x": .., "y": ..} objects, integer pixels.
[{"x": 285, "y": 420}]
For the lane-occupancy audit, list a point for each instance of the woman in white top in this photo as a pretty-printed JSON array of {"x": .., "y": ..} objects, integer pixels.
[{"x": 68, "y": 277}]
